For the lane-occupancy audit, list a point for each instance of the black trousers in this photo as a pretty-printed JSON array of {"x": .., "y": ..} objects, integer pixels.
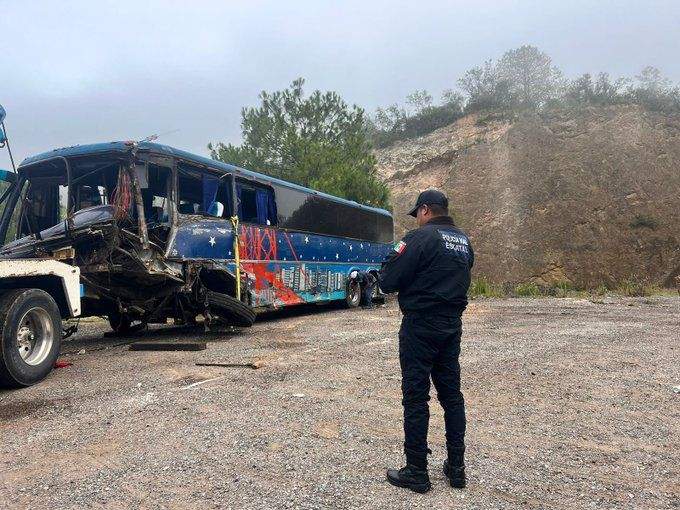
[{"x": 429, "y": 347}]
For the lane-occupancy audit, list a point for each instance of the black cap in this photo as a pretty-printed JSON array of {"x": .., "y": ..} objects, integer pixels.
[{"x": 430, "y": 197}]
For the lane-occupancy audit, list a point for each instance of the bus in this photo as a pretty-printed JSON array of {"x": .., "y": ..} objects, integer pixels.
[{"x": 159, "y": 234}]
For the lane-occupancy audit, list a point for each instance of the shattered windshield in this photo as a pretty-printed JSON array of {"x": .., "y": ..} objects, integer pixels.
[
  {"x": 47, "y": 198},
  {"x": 101, "y": 190}
]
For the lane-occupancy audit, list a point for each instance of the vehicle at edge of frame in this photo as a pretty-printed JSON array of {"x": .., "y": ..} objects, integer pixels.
[{"x": 151, "y": 233}]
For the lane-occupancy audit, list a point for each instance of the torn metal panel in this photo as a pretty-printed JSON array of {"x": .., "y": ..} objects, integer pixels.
[{"x": 201, "y": 238}]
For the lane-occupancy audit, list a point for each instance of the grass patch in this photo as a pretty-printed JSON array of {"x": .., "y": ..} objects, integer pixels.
[
  {"x": 632, "y": 287},
  {"x": 481, "y": 287},
  {"x": 601, "y": 290},
  {"x": 527, "y": 289},
  {"x": 566, "y": 289},
  {"x": 495, "y": 116}
]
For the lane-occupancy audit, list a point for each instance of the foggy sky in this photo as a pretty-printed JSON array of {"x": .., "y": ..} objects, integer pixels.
[{"x": 81, "y": 71}]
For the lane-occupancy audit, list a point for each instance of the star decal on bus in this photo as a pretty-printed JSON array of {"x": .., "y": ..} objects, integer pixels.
[{"x": 212, "y": 241}]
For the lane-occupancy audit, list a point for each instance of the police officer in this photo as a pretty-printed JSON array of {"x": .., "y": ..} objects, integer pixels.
[{"x": 430, "y": 268}]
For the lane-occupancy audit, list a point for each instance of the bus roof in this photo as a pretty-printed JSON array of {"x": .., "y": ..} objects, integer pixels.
[{"x": 166, "y": 150}]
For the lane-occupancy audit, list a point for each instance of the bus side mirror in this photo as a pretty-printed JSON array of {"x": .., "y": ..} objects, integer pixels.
[{"x": 7, "y": 176}]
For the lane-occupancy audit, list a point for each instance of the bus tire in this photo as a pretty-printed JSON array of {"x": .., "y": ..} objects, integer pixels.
[
  {"x": 30, "y": 336},
  {"x": 353, "y": 294},
  {"x": 120, "y": 323},
  {"x": 230, "y": 309}
]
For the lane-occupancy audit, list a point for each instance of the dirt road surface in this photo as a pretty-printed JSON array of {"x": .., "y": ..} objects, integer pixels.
[{"x": 571, "y": 404}]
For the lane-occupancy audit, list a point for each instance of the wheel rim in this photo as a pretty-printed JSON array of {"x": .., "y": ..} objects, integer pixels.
[
  {"x": 354, "y": 292},
  {"x": 35, "y": 336}
]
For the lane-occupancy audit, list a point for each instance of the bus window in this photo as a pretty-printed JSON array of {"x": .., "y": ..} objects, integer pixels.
[
  {"x": 14, "y": 229},
  {"x": 256, "y": 204},
  {"x": 247, "y": 205},
  {"x": 216, "y": 195},
  {"x": 155, "y": 195},
  {"x": 204, "y": 193},
  {"x": 41, "y": 207},
  {"x": 222, "y": 200},
  {"x": 90, "y": 196},
  {"x": 190, "y": 190},
  {"x": 308, "y": 212}
]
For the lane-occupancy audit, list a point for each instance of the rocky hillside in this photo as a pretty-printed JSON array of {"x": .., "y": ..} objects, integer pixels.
[{"x": 589, "y": 197}]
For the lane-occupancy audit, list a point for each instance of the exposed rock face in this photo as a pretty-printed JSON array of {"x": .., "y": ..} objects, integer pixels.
[{"x": 589, "y": 197}]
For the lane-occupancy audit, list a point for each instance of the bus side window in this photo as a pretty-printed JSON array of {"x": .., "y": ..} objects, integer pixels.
[
  {"x": 155, "y": 194},
  {"x": 217, "y": 196},
  {"x": 204, "y": 193},
  {"x": 190, "y": 191},
  {"x": 256, "y": 205}
]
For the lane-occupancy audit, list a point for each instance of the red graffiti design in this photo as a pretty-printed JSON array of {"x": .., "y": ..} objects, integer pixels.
[{"x": 258, "y": 246}]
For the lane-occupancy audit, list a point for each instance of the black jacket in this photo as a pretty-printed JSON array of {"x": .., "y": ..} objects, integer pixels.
[{"x": 430, "y": 268}]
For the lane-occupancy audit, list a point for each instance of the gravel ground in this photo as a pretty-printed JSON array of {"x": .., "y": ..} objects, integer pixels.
[{"x": 571, "y": 404}]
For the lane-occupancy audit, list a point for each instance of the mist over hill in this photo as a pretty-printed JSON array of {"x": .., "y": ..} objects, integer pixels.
[{"x": 588, "y": 195}]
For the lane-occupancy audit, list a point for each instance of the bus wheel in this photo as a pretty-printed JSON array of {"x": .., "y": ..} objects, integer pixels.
[
  {"x": 120, "y": 323},
  {"x": 353, "y": 294},
  {"x": 30, "y": 334},
  {"x": 230, "y": 309}
]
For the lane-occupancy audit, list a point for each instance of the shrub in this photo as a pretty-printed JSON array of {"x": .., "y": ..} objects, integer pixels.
[
  {"x": 481, "y": 287},
  {"x": 632, "y": 288},
  {"x": 642, "y": 221},
  {"x": 601, "y": 290},
  {"x": 565, "y": 289},
  {"x": 495, "y": 116},
  {"x": 527, "y": 289},
  {"x": 394, "y": 124}
]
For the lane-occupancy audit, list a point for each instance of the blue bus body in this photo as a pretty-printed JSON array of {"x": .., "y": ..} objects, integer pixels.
[
  {"x": 284, "y": 267},
  {"x": 195, "y": 217}
]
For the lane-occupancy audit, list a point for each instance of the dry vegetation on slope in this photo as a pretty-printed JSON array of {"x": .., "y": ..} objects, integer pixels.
[{"x": 586, "y": 196}]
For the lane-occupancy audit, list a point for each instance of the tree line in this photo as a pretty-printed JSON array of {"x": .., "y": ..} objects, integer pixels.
[
  {"x": 523, "y": 79},
  {"x": 318, "y": 141},
  {"x": 321, "y": 142}
]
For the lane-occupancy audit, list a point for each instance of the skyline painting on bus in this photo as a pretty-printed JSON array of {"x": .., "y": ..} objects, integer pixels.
[{"x": 295, "y": 267}]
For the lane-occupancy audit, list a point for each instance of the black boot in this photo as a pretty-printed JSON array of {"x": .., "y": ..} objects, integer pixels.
[
  {"x": 410, "y": 477},
  {"x": 454, "y": 468}
]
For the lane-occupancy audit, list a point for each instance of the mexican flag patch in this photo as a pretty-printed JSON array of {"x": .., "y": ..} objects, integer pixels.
[{"x": 400, "y": 247}]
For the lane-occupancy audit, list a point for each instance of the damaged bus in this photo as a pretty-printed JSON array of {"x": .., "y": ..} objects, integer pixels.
[{"x": 144, "y": 233}]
